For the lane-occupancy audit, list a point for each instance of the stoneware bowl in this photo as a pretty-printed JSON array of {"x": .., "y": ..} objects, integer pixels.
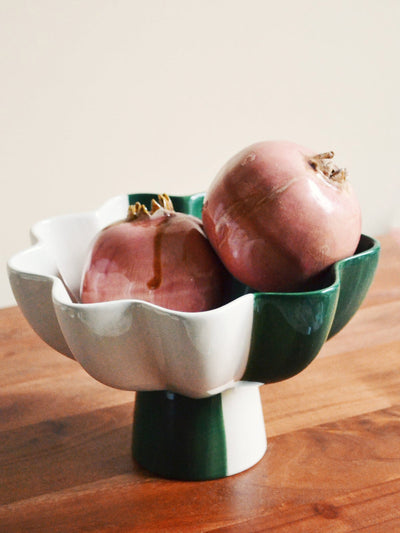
[{"x": 198, "y": 412}]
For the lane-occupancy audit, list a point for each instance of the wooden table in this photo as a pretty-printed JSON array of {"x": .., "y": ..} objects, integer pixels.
[{"x": 333, "y": 459}]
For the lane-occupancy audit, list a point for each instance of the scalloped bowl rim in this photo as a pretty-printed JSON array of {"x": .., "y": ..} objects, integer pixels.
[{"x": 203, "y": 372}]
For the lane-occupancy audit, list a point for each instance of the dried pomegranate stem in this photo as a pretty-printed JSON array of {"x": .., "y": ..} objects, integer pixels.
[
  {"x": 324, "y": 163},
  {"x": 164, "y": 202},
  {"x": 139, "y": 211}
]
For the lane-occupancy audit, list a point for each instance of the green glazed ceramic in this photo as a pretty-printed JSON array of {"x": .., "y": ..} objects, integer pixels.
[
  {"x": 198, "y": 413},
  {"x": 288, "y": 332},
  {"x": 289, "y": 329}
]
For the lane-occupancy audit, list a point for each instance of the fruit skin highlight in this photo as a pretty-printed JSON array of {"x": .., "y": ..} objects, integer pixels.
[
  {"x": 161, "y": 256},
  {"x": 278, "y": 215}
]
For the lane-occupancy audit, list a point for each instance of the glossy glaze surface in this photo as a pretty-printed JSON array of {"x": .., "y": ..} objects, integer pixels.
[
  {"x": 134, "y": 345},
  {"x": 198, "y": 414},
  {"x": 181, "y": 438}
]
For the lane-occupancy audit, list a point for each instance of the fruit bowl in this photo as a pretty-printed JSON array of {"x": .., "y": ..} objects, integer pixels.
[{"x": 197, "y": 412}]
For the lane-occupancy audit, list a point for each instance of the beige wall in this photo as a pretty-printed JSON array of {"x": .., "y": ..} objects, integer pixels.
[{"x": 102, "y": 97}]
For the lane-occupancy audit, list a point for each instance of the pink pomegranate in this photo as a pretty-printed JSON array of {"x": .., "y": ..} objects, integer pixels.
[
  {"x": 162, "y": 257},
  {"x": 278, "y": 214}
]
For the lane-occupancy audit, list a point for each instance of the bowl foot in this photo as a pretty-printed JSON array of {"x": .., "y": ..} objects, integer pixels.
[{"x": 197, "y": 439}]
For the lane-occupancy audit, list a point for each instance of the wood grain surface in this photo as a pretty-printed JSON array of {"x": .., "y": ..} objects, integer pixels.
[{"x": 333, "y": 459}]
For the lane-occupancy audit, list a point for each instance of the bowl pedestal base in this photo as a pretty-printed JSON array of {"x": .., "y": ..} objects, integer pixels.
[{"x": 197, "y": 439}]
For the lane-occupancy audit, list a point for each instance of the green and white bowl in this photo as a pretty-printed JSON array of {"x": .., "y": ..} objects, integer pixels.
[{"x": 197, "y": 413}]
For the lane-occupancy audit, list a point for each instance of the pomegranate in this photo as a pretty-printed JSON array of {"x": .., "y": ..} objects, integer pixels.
[
  {"x": 161, "y": 256},
  {"x": 278, "y": 215}
]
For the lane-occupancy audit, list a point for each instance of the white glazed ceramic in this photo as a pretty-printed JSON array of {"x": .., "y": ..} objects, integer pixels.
[
  {"x": 126, "y": 344},
  {"x": 198, "y": 412}
]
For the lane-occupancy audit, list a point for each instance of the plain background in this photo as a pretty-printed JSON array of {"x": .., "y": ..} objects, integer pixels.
[{"x": 103, "y": 97}]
